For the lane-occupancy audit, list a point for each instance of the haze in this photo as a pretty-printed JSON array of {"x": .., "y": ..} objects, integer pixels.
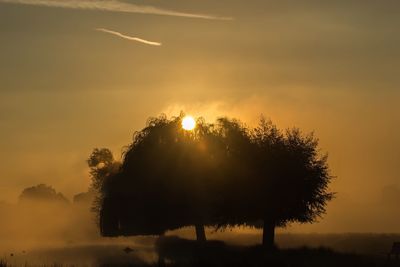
[{"x": 329, "y": 67}]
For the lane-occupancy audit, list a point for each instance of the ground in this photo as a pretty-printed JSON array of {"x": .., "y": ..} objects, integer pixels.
[{"x": 295, "y": 250}]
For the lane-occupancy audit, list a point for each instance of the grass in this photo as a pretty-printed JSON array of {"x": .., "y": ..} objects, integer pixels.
[
  {"x": 178, "y": 252},
  {"x": 188, "y": 253}
]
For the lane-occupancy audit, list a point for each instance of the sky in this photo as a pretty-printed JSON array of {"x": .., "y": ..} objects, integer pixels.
[{"x": 75, "y": 75}]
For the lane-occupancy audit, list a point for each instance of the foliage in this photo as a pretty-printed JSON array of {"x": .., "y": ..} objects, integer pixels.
[
  {"x": 84, "y": 197},
  {"x": 220, "y": 174},
  {"x": 165, "y": 178},
  {"x": 102, "y": 166},
  {"x": 42, "y": 193},
  {"x": 280, "y": 177}
]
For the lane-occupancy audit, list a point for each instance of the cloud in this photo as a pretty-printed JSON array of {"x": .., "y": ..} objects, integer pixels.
[
  {"x": 127, "y": 37},
  {"x": 111, "y": 5}
]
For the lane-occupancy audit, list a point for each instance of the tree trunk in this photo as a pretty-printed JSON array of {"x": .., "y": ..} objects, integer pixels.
[
  {"x": 200, "y": 233},
  {"x": 268, "y": 235}
]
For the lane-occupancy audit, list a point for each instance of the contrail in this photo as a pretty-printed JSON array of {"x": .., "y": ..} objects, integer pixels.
[
  {"x": 128, "y": 37},
  {"x": 111, "y": 5}
]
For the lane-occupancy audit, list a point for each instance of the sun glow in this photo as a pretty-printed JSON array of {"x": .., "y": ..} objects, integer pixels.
[{"x": 188, "y": 123}]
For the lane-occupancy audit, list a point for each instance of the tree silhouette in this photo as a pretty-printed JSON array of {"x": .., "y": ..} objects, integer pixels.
[
  {"x": 235, "y": 187},
  {"x": 294, "y": 175},
  {"x": 275, "y": 178},
  {"x": 85, "y": 198},
  {"x": 102, "y": 166},
  {"x": 42, "y": 193},
  {"x": 165, "y": 180},
  {"x": 221, "y": 175}
]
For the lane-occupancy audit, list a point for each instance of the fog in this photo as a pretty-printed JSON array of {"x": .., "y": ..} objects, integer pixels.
[
  {"x": 41, "y": 232},
  {"x": 31, "y": 225},
  {"x": 332, "y": 68},
  {"x": 47, "y": 232}
]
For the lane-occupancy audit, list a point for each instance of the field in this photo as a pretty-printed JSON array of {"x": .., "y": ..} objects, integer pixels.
[{"x": 235, "y": 250}]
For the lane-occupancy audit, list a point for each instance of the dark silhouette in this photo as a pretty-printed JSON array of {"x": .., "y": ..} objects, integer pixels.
[
  {"x": 181, "y": 252},
  {"x": 42, "y": 193},
  {"x": 293, "y": 175},
  {"x": 102, "y": 166},
  {"x": 220, "y": 175},
  {"x": 274, "y": 178},
  {"x": 165, "y": 182}
]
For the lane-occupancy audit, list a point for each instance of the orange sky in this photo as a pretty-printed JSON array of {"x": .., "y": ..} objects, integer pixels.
[{"x": 332, "y": 68}]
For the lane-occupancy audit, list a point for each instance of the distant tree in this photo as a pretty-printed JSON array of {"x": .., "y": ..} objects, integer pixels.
[
  {"x": 42, "y": 193},
  {"x": 84, "y": 197}
]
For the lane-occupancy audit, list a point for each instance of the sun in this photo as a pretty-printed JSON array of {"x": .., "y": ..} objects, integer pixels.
[{"x": 188, "y": 123}]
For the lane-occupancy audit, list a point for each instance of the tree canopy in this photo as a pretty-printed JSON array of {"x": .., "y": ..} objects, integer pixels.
[
  {"x": 42, "y": 193},
  {"x": 165, "y": 179},
  {"x": 102, "y": 166},
  {"x": 222, "y": 174},
  {"x": 274, "y": 178}
]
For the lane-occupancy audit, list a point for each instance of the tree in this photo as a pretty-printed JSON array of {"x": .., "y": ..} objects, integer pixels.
[
  {"x": 275, "y": 178},
  {"x": 102, "y": 166},
  {"x": 234, "y": 188},
  {"x": 219, "y": 175},
  {"x": 165, "y": 180},
  {"x": 42, "y": 193},
  {"x": 85, "y": 198},
  {"x": 295, "y": 176}
]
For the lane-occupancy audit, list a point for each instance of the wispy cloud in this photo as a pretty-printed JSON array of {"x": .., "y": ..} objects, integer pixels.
[
  {"x": 127, "y": 37},
  {"x": 111, "y": 5}
]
